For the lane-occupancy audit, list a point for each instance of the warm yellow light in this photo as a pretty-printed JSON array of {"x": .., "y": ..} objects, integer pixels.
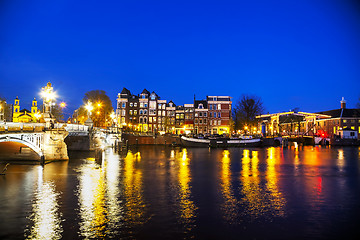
[
  {"x": 99, "y": 104},
  {"x": 89, "y": 107},
  {"x": 245, "y": 127},
  {"x": 112, "y": 115},
  {"x": 62, "y": 104},
  {"x": 37, "y": 115},
  {"x": 98, "y": 112}
]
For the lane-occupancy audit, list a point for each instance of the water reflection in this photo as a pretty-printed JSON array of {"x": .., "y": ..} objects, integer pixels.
[
  {"x": 133, "y": 190},
  {"x": 229, "y": 207},
  {"x": 114, "y": 204},
  {"x": 46, "y": 217},
  {"x": 253, "y": 195},
  {"x": 276, "y": 199},
  {"x": 92, "y": 201},
  {"x": 186, "y": 205},
  {"x": 261, "y": 200}
]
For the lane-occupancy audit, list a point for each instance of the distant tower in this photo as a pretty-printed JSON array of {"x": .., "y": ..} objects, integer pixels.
[
  {"x": 34, "y": 106},
  {"x": 343, "y": 103},
  {"x": 16, "y": 106}
]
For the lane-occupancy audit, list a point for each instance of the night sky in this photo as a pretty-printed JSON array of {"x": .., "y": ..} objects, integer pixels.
[{"x": 303, "y": 54}]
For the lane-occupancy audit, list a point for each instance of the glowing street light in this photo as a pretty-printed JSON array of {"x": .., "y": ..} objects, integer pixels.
[
  {"x": 62, "y": 104},
  {"x": 89, "y": 107}
]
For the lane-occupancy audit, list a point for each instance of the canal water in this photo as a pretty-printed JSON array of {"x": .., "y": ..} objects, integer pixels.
[{"x": 178, "y": 193}]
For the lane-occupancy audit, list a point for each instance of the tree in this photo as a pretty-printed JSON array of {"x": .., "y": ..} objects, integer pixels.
[
  {"x": 5, "y": 111},
  {"x": 245, "y": 111},
  {"x": 101, "y": 108}
]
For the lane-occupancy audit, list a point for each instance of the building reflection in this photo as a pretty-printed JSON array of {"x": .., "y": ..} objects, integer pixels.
[
  {"x": 276, "y": 199},
  {"x": 46, "y": 217},
  {"x": 229, "y": 207},
  {"x": 91, "y": 193},
  {"x": 133, "y": 190},
  {"x": 187, "y": 207},
  {"x": 253, "y": 196},
  {"x": 260, "y": 199},
  {"x": 114, "y": 206}
]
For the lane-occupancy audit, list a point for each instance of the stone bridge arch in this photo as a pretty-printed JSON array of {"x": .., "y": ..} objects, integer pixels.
[{"x": 32, "y": 141}]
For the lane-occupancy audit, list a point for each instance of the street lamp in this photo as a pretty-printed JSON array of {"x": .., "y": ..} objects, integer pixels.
[
  {"x": 89, "y": 108},
  {"x": 48, "y": 95}
]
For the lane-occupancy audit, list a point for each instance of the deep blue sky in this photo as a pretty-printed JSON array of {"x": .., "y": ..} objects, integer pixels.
[{"x": 302, "y": 54}]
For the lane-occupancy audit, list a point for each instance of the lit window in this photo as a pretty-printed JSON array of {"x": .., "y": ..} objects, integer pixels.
[
  {"x": 135, "y": 112},
  {"x": 130, "y": 112},
  {"x": 344, "y": 121},
  {"x": 219, "y": 106},
  {"x": 135, "y": 104}
]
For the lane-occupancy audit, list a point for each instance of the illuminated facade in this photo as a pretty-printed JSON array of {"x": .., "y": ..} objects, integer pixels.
[
  {"x": 147, "y": 112},
  {"x": 219, "y": 114},
  {"x": 24, "y": 115},
  {"x": 325, "y": 123}
]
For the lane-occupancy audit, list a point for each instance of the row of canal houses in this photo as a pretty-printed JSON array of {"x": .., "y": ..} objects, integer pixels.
[{"x": 147, "y": 112}]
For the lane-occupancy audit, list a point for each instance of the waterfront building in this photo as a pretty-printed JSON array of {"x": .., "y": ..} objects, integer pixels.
[
  {"x": 325, "y": 123},
  {"x": 340, "y": 119},
  {"x": 24, "y": 115},
  {"x": 143, "y": 111},
  {"x": 200, "y": 117},
  {"x": 127, "y": 109},
  {"x": 179, "y": 120},
  {"x": 189, "y": 118},
  {"x": 219, "y": 114},
  {"x": 147, "y": 112},
  {"x": 170, "y": 117}
]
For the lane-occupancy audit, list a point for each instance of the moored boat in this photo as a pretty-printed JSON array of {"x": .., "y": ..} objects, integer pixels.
[{"x": 219, "y": 142}]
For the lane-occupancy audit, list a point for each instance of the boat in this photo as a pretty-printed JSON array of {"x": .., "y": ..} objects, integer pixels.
[{"x": 219, "y": 142}]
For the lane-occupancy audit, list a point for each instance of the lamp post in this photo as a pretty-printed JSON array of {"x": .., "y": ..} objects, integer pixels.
[{"x": 48, "y": 95}]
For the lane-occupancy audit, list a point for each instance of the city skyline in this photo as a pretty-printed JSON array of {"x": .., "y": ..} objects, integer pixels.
[{"x": 291, "y": 55}]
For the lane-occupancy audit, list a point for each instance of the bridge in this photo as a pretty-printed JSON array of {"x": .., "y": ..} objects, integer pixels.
[{"x": 50, "y": 144}]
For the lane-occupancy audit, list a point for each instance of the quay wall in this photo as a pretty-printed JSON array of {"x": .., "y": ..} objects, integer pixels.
[{"x": 150, "y": 139}]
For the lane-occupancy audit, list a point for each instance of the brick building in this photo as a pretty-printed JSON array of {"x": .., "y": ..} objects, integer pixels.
[{"x": 148, "y": 113}]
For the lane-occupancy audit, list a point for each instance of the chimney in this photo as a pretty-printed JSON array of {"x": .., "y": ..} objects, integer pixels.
[{"x": 343, "y": 103}]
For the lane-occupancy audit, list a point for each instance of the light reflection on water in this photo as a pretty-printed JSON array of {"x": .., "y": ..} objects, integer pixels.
[
  {"x": 133, "y": 190},
  {"x": 187, "y": 207},
  {"x": 46, "y": 217},
  {"x": 261, "y": 195},
  {"x": 91, "y": 193},
  {"x": 229, "y": 207},
  {"x": 304, "y": 189}
]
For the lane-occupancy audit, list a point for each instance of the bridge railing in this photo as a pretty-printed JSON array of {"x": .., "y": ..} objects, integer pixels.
[
  {"x": 38, "y": 127},
  {"x": 21, "y": 127}
]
